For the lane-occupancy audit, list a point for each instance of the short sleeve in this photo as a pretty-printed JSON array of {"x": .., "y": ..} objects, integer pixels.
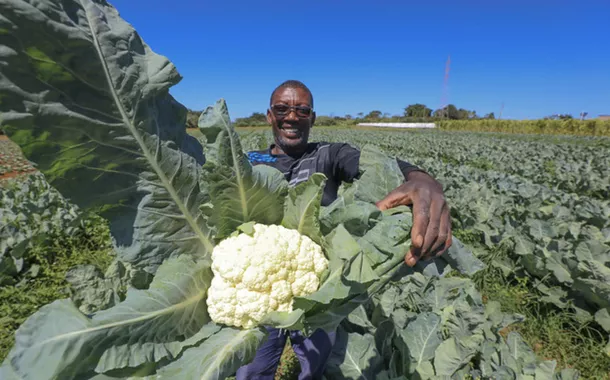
[{"x": 347, "y": 163}]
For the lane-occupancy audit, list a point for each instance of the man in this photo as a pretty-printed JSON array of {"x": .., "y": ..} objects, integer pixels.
[{"x": 291, "y": 117}]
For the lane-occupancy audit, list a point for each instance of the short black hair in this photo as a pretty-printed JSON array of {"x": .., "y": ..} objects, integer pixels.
[{"x": 292, "y": 84}]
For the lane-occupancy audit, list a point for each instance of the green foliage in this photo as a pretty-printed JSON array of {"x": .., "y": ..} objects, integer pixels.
[
  {"x": 257, "y": 119},
  {"x": 52, "y": 259},
  {"x": 550, "y": 332},
  {"x": 551, "y": 127},
  {"x": 32, "y": 213},
  {"x": 289, "y": 367},
  {"x": 418, "y": 110},
  {"x": 373, "y": 115}
]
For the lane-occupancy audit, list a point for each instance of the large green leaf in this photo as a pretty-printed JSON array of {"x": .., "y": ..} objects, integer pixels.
[
  {"x": 450, "y": 357},
  {"x": 380, "y": 176},
  {"x": 302, "y": 207},
  {"x": 354, "y": 357},
  {"x": 88, "y": 101},
  {"x": 239, "y": 192},
  {"x": 59, "y": 341},
  {"x": 422, "y": 337},
  {"x": 218, "y": 357}
]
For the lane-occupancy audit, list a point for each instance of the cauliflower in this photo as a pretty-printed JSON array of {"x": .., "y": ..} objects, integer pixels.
[{"x": 256, "y": 274}]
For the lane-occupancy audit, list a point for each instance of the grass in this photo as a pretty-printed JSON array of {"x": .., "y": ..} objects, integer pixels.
[
  {"x": 553, "y": 334},
  {"x": 53, "y": 257}
]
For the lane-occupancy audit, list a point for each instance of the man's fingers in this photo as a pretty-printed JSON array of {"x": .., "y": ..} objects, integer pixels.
[
  {"x": 421, "y": 213},
  {"x": 431, "y": 237},
  {"x": 412, "y": 256},
  {"x": 443, "y": 241},
  {"x": 392, "y": 200}
]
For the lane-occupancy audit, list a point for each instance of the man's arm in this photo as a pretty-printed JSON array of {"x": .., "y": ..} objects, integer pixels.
[
  {"x": 431, "y": 232},
  {"x": 347, "y": 163}
]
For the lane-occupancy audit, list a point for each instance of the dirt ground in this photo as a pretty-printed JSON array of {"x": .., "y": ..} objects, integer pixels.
[{"x": 12, "y": 162}]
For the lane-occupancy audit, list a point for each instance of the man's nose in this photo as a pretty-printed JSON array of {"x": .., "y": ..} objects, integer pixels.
[{"x": 292, "y": 115}]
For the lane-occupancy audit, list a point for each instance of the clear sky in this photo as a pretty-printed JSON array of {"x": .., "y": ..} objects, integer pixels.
[{"x": 538, "y": 57}]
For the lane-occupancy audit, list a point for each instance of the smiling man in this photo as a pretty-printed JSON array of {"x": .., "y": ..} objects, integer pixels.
[{"x": 291, "y": 117}]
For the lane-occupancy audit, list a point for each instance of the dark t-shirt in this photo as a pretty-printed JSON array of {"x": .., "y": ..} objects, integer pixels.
[{"x": 339, "y": 162}]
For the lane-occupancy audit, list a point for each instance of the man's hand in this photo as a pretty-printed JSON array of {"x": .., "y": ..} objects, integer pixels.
[{"x": 431, "y": 232}]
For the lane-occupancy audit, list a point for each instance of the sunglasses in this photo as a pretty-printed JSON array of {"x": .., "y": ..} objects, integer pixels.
[{"x": 283, "y": 110}]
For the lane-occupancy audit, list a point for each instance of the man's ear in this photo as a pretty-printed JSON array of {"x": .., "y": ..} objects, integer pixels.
[
  {"x": 313, "y": 118},
  {"x": 269, "y": 117}
]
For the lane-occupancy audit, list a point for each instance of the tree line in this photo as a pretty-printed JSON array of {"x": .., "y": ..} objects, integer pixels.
[{"x": 413, "y": 113}]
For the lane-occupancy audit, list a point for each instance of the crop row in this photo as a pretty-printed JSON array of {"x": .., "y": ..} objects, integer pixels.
[
  {"x": 571, "y": 167},
  {"x": 560, "y": 238}
]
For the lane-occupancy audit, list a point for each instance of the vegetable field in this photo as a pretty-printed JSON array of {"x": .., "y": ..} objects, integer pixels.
[
  {"x": 536, "y": 209},
  {"x": 515, "y": 200},
  {"x": 121, "y": 258}
]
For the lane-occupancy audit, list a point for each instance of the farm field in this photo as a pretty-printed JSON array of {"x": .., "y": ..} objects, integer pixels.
[
  {"x": 142, "y": 250},
  {"x": 536, "y": 211}
]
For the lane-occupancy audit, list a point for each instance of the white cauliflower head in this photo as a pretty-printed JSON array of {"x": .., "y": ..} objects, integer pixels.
[{"x": 257, "y": 274}]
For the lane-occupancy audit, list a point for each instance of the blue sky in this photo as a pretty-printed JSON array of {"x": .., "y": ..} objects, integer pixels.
[{"x": 537, "y": 57}]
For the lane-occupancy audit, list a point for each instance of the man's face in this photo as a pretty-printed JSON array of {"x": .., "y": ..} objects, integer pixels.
[{"x": 291, "y": 126}]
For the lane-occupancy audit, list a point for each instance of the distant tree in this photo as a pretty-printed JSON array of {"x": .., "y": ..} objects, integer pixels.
[
  {"x": 325, "y": 121},
  {"x": 462, "y": 114},
  {"x": 348, "y": 117},
  {"x": 490, "y": 115},
  {"x": 418, "y": 110},
  {"x": 192, "y": 118},
  {"x": 373, "y": 115},
  {"x": 566, "y": 116},
  {"x": 256, "y": 119},
  {"x": 360, "y": 115},
  {"x": 448, "y": 112}
]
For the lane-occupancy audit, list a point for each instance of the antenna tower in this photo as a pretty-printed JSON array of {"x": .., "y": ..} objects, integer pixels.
[{"x": 445, "y": 94}]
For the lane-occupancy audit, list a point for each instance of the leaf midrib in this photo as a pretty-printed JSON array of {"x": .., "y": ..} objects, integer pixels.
[
  {"x": 238, "y": 174},
  {"x": 219, "y": 357},
  {"x": 152, "y": 162},
  {"x": 167, "y": 310},
  {"x": 429, "y": 335}
]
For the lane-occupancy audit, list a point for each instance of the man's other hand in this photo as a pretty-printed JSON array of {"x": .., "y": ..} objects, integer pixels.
[{"x": 431, "y": 232}]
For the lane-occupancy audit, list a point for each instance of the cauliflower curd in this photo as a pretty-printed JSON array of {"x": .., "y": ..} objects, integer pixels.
[{"x": 254, "y": 275}]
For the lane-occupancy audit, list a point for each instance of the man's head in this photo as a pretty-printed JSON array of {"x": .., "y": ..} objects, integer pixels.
[{"x": 291, "y": 116}]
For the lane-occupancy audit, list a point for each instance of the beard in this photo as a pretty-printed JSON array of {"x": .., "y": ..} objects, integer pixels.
[{"x": 296, "y": 142}]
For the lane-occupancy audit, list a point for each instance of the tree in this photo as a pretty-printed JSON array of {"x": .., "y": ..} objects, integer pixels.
[
  {"x": 360, "y": 115},
  {"x": 462, "y": 114},
  {"x": 490, "y": 115},
  {"x": 348, "y": 117},
  {"x": 448, "y": 112},
  {"x": 373, "y": 115},
  {"x": 418, "y": 110},
  {"x": 256, "y": 119},
  {"x": 566, "y": 116}
]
